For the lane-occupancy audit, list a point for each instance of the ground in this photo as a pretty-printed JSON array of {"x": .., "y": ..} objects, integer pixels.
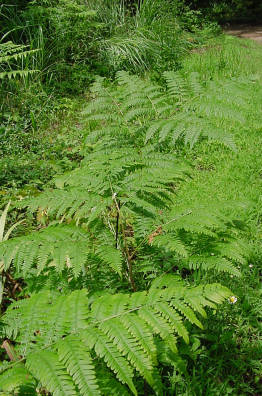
[{"x": 246, "y": 31}]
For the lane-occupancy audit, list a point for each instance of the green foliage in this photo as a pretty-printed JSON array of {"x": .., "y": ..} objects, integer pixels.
[
  {"x": 145, "y": 37},
  {"x": 76, "y": 39},
  {"x": 110, "y": 280},
  {"x": 187, "y": 111},
  {"x": 112, "y": 206},
  {"x": 30, "y": 158},
  {"x": 131, "y": 52},
  {"x": 4, "y": 235},
  {"x": 226, "y": 359},
  {"x": 68, "y": 42},
  {"x": 230, "y": 10},
  {"x": 59, "y": 246},
  {"x": 108, "y": 221},
  {"x": 68, "y": 341},
  {"x": 62, "y": 29},
  {"x": 10, "y": 53},
  {"x": 138, "y": 188}
]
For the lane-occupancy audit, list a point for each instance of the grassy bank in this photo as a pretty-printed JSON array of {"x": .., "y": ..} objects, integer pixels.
[{"x": 229, "y": 362}]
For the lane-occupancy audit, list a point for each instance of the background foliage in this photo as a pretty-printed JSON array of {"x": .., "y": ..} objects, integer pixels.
[{"x": 230, "y": 10}]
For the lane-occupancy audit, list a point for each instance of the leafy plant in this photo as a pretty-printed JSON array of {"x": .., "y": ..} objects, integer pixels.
[
  {"x": 113, "y": 218},
  {"x": 188, "y": 110},
  {"x": 118, "y": 274},
  {"x": 105, "y": 190},
  {"x": 139, "y": 36},
  {"x": 113, "y": 207},
  {"x": 73, "y": 346},
  {"x": 4, "y": 237},
  {"x": 63, "y": 32},
  {"x": 12, "y": 53}
]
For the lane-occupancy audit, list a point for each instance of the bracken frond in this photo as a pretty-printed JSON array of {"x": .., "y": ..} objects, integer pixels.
[{"x": 89, "y": 340}]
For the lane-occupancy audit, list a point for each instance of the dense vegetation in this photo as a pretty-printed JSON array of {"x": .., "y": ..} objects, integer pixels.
[
  {"x": 229, "y": 10},
  {"x": 130, "y": 226}
]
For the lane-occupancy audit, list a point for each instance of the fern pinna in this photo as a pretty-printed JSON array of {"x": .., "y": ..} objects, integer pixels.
[{"x": 75, "y": 344}]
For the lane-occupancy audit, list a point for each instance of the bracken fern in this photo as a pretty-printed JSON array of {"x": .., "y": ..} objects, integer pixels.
[
  {"x": 10, "y": 53},
  {"x": 104, "y": 224},
  {"x": 110, "y": 205},
  {"x": 67, "y": 342},
  {"x": 185, "y": 108}
]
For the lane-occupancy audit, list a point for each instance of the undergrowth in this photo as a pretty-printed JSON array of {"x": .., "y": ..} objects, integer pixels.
[{"x": 50, "y": 53}]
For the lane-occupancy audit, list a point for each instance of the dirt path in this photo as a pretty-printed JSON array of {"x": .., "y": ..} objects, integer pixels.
[{"x": 245, "y": 31}]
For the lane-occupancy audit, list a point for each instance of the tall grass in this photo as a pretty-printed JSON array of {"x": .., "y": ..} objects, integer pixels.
[
  {"x": 226, "y": 57},
  {"x": 77, "y": 40},
  {"x": 232, "y": 366}
]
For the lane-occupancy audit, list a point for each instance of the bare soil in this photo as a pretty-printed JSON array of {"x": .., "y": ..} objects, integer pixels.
[{"x": 246, "y": 31}]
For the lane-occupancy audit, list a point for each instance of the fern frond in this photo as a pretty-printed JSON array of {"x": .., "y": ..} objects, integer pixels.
[
  {"x": 17, "y": 73},
  {"x": 141, "y": 332},
  {"x": 175, "y": 319},
  {"x": 188, "y": 110},
  {"x": 159, "y": 326},
  {"x": 185, "y": 310},
  {"x": 217, "y": 264},
  {"x": 110, "y": 386},
  {"x": 122, "y": 340},
  {"x": 17, "y": 380},
  {"x": 176, "y": 85},
  {"x": 79, "y": 364},
  {"x": 46, "y": 365},
  {"x": 128, "y": 346},
  {"x": 196, "y": 86},
  {"x": 60, "y": 246},
  {"x": 200, "y": 238},
  {"x": 104, "y": 348},
  {"x": 77, "y": 305},
  {"x": 112, "y": 257},
  {"x": 10, "y": 52},
  {"x": 170, "y": 243}
]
